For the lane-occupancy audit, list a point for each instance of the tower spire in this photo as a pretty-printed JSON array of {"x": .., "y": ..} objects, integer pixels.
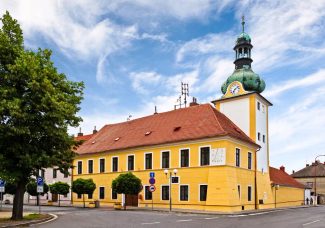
[{"x": 243, "y": 23}]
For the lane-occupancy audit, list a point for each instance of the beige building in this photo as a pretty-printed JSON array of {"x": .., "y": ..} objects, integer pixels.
[{"x": 310, "y": 175}]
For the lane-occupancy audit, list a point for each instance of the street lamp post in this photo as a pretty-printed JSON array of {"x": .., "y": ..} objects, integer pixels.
[
  {"x": 276, "y": 187},
  {"x": 315, "y": 169},
  {"x": 170, "y": 185}
]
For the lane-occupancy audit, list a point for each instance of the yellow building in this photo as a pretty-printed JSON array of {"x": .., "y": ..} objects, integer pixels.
[{"x": 220, "y": 153}]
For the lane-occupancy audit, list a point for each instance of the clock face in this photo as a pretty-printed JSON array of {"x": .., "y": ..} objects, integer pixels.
[{"x": 234, "y": 89}]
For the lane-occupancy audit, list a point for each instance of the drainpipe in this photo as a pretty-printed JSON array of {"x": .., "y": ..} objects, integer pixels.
[{"x": 255, "y": 178}]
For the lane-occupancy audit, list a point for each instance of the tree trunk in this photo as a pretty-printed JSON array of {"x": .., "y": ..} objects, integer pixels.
[
  {"x": 18, "y": 205},
  {"x": 59, "y": 200},
  {"x": 125, "y": 196},
  {"x": 83, "y": 197}
]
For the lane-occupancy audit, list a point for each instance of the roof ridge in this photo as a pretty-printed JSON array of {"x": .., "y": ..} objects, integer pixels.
[{"x": 215, "y": 117}]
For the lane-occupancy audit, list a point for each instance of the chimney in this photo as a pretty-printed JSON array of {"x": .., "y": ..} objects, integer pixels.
[
  {"x": 194, "y": 102},
  {"x": 282, "y": 168},
  {"x": 293, "y": 171},
  {"x": 307, "y": 165},
  {"x": 95, "y": 131},
  {"x": 80, "y": 133},
  {"x": 155, "y": 110}
]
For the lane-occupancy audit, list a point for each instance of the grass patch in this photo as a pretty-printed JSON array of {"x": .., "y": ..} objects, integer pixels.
[{"x": 34, "y": 216}]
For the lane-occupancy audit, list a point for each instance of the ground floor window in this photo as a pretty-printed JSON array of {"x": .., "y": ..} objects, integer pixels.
[
  {"x": 165, "y": 192},
  {"x": 90, "y": 196},
  {"x": 147, "y": 193},
  {"x": 249, "y": 193},
  {"x": 101, "y": 192},
  {"x": 114, "y": 194},
  {"x": 79, "y": 196},
  {"x": 203, "y": 192},
  {"x": 183, "y": 191}
]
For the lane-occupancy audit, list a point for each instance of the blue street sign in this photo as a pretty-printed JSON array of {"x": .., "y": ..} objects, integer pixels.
[
  {"x": 40, "y": 181},
  {"x": 152, "y": 181},
  {"x": 152, "y": 174},
  {"x": 2, "y": 183}
]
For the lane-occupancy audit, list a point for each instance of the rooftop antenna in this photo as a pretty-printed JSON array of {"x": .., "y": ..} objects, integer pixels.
[
  {"x": 185, "y": 92},
  {"x": 243, "y": 23},
  {"x": 129, "y": 118}
]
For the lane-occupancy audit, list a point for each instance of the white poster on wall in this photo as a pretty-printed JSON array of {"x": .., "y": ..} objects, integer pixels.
[{"x": 218, "y": 156}]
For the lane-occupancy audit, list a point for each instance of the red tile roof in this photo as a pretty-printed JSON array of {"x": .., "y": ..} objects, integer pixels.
[
  {"x": 196, "y": 122},
  {"x": 282, "y": 178},
  {"x": 310, "y": 171},
  {"x": 83, "y": 137}
]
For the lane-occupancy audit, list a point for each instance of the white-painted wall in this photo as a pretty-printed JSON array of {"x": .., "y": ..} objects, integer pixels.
[
  {"x": 261, "y": 127},
  {"x": 238, "y": 111}
]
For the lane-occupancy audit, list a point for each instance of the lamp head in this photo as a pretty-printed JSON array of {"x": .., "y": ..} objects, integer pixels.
[
  {"x": 166, "y": 171},
  {"x": 175, "y": 171}
]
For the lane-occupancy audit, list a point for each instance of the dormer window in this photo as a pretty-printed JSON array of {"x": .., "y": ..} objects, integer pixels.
[
  {"x": 147, "y": 133},
  {"x": 177, "y": 128},
  {"x": 117, "y": 139}
]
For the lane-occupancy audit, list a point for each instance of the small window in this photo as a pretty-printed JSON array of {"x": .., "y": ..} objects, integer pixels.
[
  {"x": 237, "y": 157},
  {"x": 263, "y": 138},
  {"x": 101, "y": 192},
  {"x": 115, "y": 164},
  {"x": 90, "y": 166},
  {"x": 165, "y": 159},
  {"x": 79, "y": 196},
  {"x": 203, "y": 192},
  {"x": 114, "y": 194},
  {"x": 148, "y": 161},
  {"x": 131, "y": 162},
  {"x": 249, "y": 193},
  {"x": 102, "y": 165},
  {"x": 238, "y": 189},
  {"x": 258, "y": 106},
  {"x": 55, "y": 173},
  {"x": 165, "y": 192},
  {"x": 249, "y": 166},
  {"x": 90, "y": 195},
  {"x": 147, "y": 193},
  {"x": 185, "y": 158},
  {"x": 42, "y": 173},
  {"x": 79, "y": 167},
  {"x": 205, "y": 156},
  {"x": 183, "y": 193},
  {"x": 259, "y": 136}
]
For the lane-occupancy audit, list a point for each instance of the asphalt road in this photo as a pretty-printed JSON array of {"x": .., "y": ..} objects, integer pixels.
[{"x": 288, "y": 218}]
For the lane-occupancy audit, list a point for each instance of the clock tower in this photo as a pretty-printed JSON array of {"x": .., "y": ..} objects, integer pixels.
[{"x": 242, "y": 101}]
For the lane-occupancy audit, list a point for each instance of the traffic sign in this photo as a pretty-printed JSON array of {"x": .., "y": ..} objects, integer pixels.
[
  {"x": 152, "y": 188},
  {"x": 152, "y": 174},
  {"x": 2, "y": 183},
  {"x": 152, "y": 181},
  {"x": 2, "y": 189},
  {"x": 40, "y": 189},
  {"x": 40, "y": 181}
]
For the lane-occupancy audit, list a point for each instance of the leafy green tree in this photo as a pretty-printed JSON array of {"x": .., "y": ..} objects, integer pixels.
[
  {"x": 127, "y": 184},
  {"x": 10, "y": 188},
  {"x": 59, "y": 188},
  {"x": 82, "y": 187},
  {"x": 31, "y": 189},
  {"x": 37, "y": 106}
]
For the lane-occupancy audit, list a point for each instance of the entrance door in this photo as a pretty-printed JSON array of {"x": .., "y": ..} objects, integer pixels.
[
  {"x": 54, "y": 197},
  {"x": 132, "y": 200}
]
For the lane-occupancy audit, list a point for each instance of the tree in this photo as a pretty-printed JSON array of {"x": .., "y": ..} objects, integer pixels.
[
  {"x": 127, "y": 184},
  {"x": 82, "y": 187},
  {"x": 59, "y": 188},
  {"x": 31, "y": 189},
  {"x": 37, "y": 106}
]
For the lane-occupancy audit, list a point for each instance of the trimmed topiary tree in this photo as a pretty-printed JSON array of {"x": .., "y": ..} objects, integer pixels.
[
  {"x": 31, "y": 188},
  {"x": 60, "y": 188},
  {"x": 83, "y": 186}
]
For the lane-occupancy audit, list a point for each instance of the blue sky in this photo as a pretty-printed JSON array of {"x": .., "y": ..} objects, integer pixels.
[{"x": 133, "y": 54}]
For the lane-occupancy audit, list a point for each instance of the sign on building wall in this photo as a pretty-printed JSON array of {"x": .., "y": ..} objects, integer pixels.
[{"x": 218, "y": 156}]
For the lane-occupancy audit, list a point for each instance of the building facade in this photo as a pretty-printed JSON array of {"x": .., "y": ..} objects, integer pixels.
[{"x": 220, "y": 153}]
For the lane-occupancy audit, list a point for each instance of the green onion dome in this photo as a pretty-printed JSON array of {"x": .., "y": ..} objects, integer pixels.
[
  {"x": 250, "y": 80},
  {"x": 243, "y": 37}
]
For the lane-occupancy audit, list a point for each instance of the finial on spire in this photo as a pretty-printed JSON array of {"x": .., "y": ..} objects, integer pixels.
[{"x": 243, "y": 22}]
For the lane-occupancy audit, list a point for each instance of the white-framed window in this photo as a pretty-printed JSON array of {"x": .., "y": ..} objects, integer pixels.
[
  {"x": 184, "y": 192},
  {"x": 115, "y": 164},
  {"x": 130, "y": 162},
  {"x": 90, "y": 166},
  {"x": 148, "y": 160},
  {"x": 238, "y": 157},
  {"x": 184, "y": 157},
  {"x": 79, "y": 167},
  {"x": 249, "y": 193},
  {"x": 258, "y": 136},
  {"x": 203, "y": 191},
  {"x": 102, "y": 165},
  {"x": 263, "y": 138},
  {"x": 113, "y": 194},
  {"x": 165, "y": 159},
  {"x": 101, "y": 192},
  {"x": 239, "y": 191},
  {"x": 204, "y": 155},
  {"x": 249, "y": 160},
  {"x": 165, "y": 192},
  {"x": 147, "y": 193},
  {"x": 258, "y": 106}
]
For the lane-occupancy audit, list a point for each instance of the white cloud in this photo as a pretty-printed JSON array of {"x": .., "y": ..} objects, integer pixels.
[{"x": 141, "y": 80}]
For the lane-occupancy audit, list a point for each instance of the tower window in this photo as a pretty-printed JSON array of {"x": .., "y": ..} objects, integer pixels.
[
  {"x": 258, "y": 106},
  {"x": 237, "y": 157},
  {"x": 259, "y": 136},
  {"x": 263, "y": 138}
]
